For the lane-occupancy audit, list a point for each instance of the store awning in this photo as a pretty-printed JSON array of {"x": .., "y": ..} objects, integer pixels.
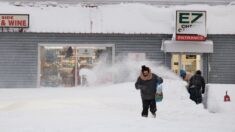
[{"x": 187, "y": 46}]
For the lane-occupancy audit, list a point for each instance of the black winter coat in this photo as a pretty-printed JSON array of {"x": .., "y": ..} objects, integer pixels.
[
  {"x": 148, "y": 87},
  {"x": 197, "y": 81}
]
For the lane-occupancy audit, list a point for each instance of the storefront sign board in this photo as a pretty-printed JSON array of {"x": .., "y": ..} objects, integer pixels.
[
  {"x": 14, "y": 20},
  {"x": 191, "y": 25}
]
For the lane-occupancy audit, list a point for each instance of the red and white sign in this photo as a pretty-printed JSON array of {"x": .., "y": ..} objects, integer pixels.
[
  {"x": 191, "y": 25},
  {"x": 190, "y": 37},
  {"x": 14, "y": 20}
]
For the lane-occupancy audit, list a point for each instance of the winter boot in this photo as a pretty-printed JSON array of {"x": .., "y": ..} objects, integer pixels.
[
  {"x": 145, "y": 116},
  {"x": 154, "y": 115}
]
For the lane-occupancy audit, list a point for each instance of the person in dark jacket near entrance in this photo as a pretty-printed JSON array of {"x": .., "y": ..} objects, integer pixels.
[
  {"x": 196, "y": 87},
  {"x": 147, "y": 83}
]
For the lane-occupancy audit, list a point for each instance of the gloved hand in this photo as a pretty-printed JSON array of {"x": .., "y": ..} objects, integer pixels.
[{"x": 203, "y": 91}]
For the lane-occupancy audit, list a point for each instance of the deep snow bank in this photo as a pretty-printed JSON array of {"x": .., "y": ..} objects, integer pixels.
[
  {"x": 104, "y": 108},
  {"x": 216, "y": 93}
]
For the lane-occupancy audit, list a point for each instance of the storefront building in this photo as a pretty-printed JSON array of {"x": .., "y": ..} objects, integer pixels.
[
  {"x": 23, "y": 55},
  {"x": 34, "y": 59}
]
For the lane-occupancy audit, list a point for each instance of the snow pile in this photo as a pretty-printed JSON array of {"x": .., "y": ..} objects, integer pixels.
[
  {"x": 216, "y": 95},
  {"x": 105, "y": 108},
  {"x": 120, "y": 18}
]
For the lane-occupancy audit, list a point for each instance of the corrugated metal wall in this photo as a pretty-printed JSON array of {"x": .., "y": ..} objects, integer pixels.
[
  {"x": 222, "y": 61},
  {"x": 18, "y": 60},
  {"x": 205, "y": 66},
  {"x": 19, "y": 51}
]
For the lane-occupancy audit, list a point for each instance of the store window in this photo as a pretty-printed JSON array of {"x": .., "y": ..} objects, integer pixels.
[
  {"x": 60, "y": 65},
  {"x": 188, "y": 62}
]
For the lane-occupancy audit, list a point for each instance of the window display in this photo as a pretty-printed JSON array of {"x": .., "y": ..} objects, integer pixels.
[{"x": 58, "y": 64}]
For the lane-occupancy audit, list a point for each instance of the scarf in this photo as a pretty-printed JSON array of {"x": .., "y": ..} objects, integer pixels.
[{"x": 149, "y": 77}]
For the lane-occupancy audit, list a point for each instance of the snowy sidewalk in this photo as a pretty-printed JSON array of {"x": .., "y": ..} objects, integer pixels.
[{"x": 109, "y": 108}]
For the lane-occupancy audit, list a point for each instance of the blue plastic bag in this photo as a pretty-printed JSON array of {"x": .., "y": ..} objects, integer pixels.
[{"x": 159, "y": 93}]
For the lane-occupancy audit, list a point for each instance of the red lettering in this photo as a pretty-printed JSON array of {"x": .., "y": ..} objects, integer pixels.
[
  {"x": 11, "y": 23},
  {"x": 192, "y": 38},
  {"x": 3, "y": 23},
  {"x": 24, "y": 23},
  {"x": 7, "y": 17},
  {"x": 19, "y": 23}
]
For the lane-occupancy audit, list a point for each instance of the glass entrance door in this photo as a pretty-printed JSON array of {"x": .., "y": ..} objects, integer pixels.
[
  {"x": 188, "y": 62},
  {"x": 88, "y": 58}
]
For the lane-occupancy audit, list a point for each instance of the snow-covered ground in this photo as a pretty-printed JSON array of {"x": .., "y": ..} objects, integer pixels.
[
  {"x": 216, "y": 93},
  {"x": 114, "y": 107}
]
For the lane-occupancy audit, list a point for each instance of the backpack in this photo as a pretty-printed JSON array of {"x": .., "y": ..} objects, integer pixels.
[{"x": 196, "y": 81}]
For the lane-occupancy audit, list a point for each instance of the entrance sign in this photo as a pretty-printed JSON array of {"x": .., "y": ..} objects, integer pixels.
[
  {"x": 191, "y": 25},
  {"x": 14, "y": 20}
]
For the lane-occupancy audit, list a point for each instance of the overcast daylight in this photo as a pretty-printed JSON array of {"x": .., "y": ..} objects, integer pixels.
[{"x": 117, "y": 65}]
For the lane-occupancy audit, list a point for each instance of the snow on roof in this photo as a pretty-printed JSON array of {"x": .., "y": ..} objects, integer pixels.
[{"x": 119, "y": 18}]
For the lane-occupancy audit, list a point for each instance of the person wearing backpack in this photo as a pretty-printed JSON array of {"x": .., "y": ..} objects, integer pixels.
[
  {"x": 196, "y": 87},
  {"x": 146, "y": 83}
]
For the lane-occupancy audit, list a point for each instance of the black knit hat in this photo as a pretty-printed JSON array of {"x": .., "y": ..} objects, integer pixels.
[
  {"x": 144, "y": 68},
  {"x": 198, "y": 72}
]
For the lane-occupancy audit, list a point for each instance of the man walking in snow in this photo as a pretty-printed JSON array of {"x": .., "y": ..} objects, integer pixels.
[
  {"x": 147, "y": 83},
  {"x": 196, "y": 87}
]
